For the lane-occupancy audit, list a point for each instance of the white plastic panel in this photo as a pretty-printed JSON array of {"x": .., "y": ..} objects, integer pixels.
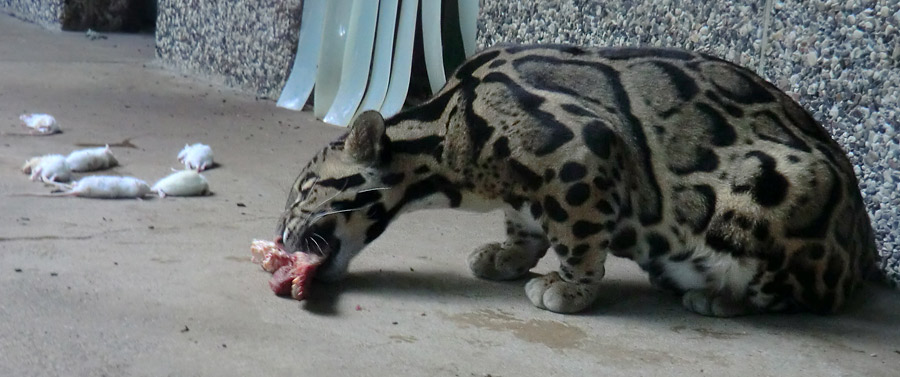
[
  {"x": 402, "y": 65},
  {"x": 468, "y": 24},
  {"x": 309, "y": 44},
  {"x": 334, "y": 40},
  {"x": 381, "y": 60},
  {"x": 431, "y": 40},
  {"x": 356, "y": 62}
]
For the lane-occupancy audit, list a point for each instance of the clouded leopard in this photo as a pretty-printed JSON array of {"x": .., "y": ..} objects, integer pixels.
[{"x": 715, "y": 182}]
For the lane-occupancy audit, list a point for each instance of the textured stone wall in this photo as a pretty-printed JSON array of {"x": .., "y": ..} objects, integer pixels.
[
  {"x": 248, "y": 44},
  {"x": 839, "y": 58},
  {"x": 42, "y": 12}
]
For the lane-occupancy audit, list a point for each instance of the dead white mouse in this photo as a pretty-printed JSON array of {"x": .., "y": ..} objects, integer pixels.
[
  {"x": 105, "y": 187},
  {"x": 182, "y": 183},
  {"x": 91, "y": 159},
  {"x": 49, "y": 168},
  {"x": 197, "y": 156},
  {"x": 41, "y": 124}
]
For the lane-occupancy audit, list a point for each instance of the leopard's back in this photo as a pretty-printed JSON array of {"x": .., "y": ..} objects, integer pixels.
[{"x": 702, "y": 172}]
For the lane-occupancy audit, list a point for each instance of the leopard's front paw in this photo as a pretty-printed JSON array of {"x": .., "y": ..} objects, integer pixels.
[
  {"x": 495, "y": 261},
  {"x": 552, "y": 293},
  {"x": 713, "y": 305}
]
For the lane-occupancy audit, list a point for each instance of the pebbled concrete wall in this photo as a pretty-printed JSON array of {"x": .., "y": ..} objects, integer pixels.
[
  {"x": 43, "y": 12},
  {"x": 246, "y": 44}
]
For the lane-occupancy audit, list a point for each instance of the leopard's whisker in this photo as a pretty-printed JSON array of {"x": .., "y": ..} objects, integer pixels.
[
  {"x": 321, "y": 238},
  {"x": 321, "y": 252}
]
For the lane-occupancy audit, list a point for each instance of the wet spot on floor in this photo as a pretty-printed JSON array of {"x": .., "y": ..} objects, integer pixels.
[
  {"x": 709, "y": 333},
  {"x": 237, "y": 258},
  {"x": 553, "y": 334},
  {"x": 403, "y": 338},
  {"x": 165, "y": 260}
]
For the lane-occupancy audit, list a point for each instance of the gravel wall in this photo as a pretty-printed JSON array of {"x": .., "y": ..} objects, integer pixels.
[
  {"x": 246, "y": 44},
  {"x": 43, "y": 12},
  {"x": 839, "y": 58}
]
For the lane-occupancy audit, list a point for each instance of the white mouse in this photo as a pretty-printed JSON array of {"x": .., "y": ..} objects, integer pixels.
[
  {"x": 197, "y": 156},
  {"x": 182, "y": 183},
  {"x": 42, "y": 124},
  {"x": 49, "y": 168},
  {"x": 106, "y": 187},
  {"x": 91, "y": 159}
]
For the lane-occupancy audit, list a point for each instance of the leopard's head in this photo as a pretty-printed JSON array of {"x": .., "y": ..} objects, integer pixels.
[{"x": 339, "y": 202}]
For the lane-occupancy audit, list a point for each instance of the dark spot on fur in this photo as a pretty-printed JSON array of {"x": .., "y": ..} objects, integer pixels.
[
  {"x": 705, "y": 160},
  {"x": 818, "y": 227},
  {"x": 583, "y": 229},
  {"x": 599, "y": 138},
  {"x": 525, "y": 176},
  {"x": 578, "y": 194},
  {"x": 344, "y": 182},
  {"x": 722, "y": 132},
  {"x": 555, "y": 134},
  {"x": 497, "y": 63},
  {"x": 468, "y": 68},
  {"x": 695, "y": 206},
  {"x": 580, "y": 250},
  {"x": 749, "y": 92},
  {"x": 769, "y": 187},
  {"x": 422, "y": 169},
  {"x": 501, "y": 147},
  {"x": 577, "y": 110},
  {"x": 602, "y": 184},
  {"x": 549, "y": 174},
  {"x": 392, "y": 178},
  {"x": 554, "y": 211},
  {"x": 623, "y": 240},
  {"x": 423, "y": 145},
  {"x": 658, "y": 244},
  {"x": 833, "y": 271},
  {"x": 812, "y": 251},
  {"x": 572, "y": 171},
  {"x": 684, "y": 84},
  {"x": 561, "y": 250},
  {"x": 732, "y": 110},
  {"x": 604, "y": 207},
  {"x": 761, "y": 230},
  {"x": 536, "y": 210}
]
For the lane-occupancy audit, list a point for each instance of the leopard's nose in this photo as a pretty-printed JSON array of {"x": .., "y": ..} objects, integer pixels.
[{"x": 279, "y": 241}]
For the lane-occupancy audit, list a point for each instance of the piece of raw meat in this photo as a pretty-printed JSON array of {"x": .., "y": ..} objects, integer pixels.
[{"x": 292, "y": 273}]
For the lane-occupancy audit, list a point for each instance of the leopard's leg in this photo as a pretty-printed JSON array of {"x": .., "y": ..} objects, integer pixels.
[
  {"x": 715, "y": 304},
  {"x": 581, "y": 248},
  {"x": 525, "y": 244}
]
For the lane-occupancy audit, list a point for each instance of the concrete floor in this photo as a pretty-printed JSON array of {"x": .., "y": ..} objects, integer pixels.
[{"x": 165, "y": 287}]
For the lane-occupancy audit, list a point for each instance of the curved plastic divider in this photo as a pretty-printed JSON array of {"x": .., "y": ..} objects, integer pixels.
[
  {"x": 431, "y": 40},
  {"x": 468, "y": 24},
  {"x": 303, "y": 72},
  {"x": 334, "y": 40},
  {"x": 402, "y": 65},
  {"x": 356, "y": 63},
  {"x": 381, "y": 57}
]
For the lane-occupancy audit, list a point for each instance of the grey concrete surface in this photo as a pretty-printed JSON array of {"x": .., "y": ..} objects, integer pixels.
[{"x": 165, "y": 287}]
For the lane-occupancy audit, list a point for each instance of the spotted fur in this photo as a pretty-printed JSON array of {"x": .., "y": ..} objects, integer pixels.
[{"x": 715, "y": 182}]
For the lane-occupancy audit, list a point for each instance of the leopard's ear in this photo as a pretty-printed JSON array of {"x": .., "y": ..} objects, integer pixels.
[{"x": 367, "y": 142}]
